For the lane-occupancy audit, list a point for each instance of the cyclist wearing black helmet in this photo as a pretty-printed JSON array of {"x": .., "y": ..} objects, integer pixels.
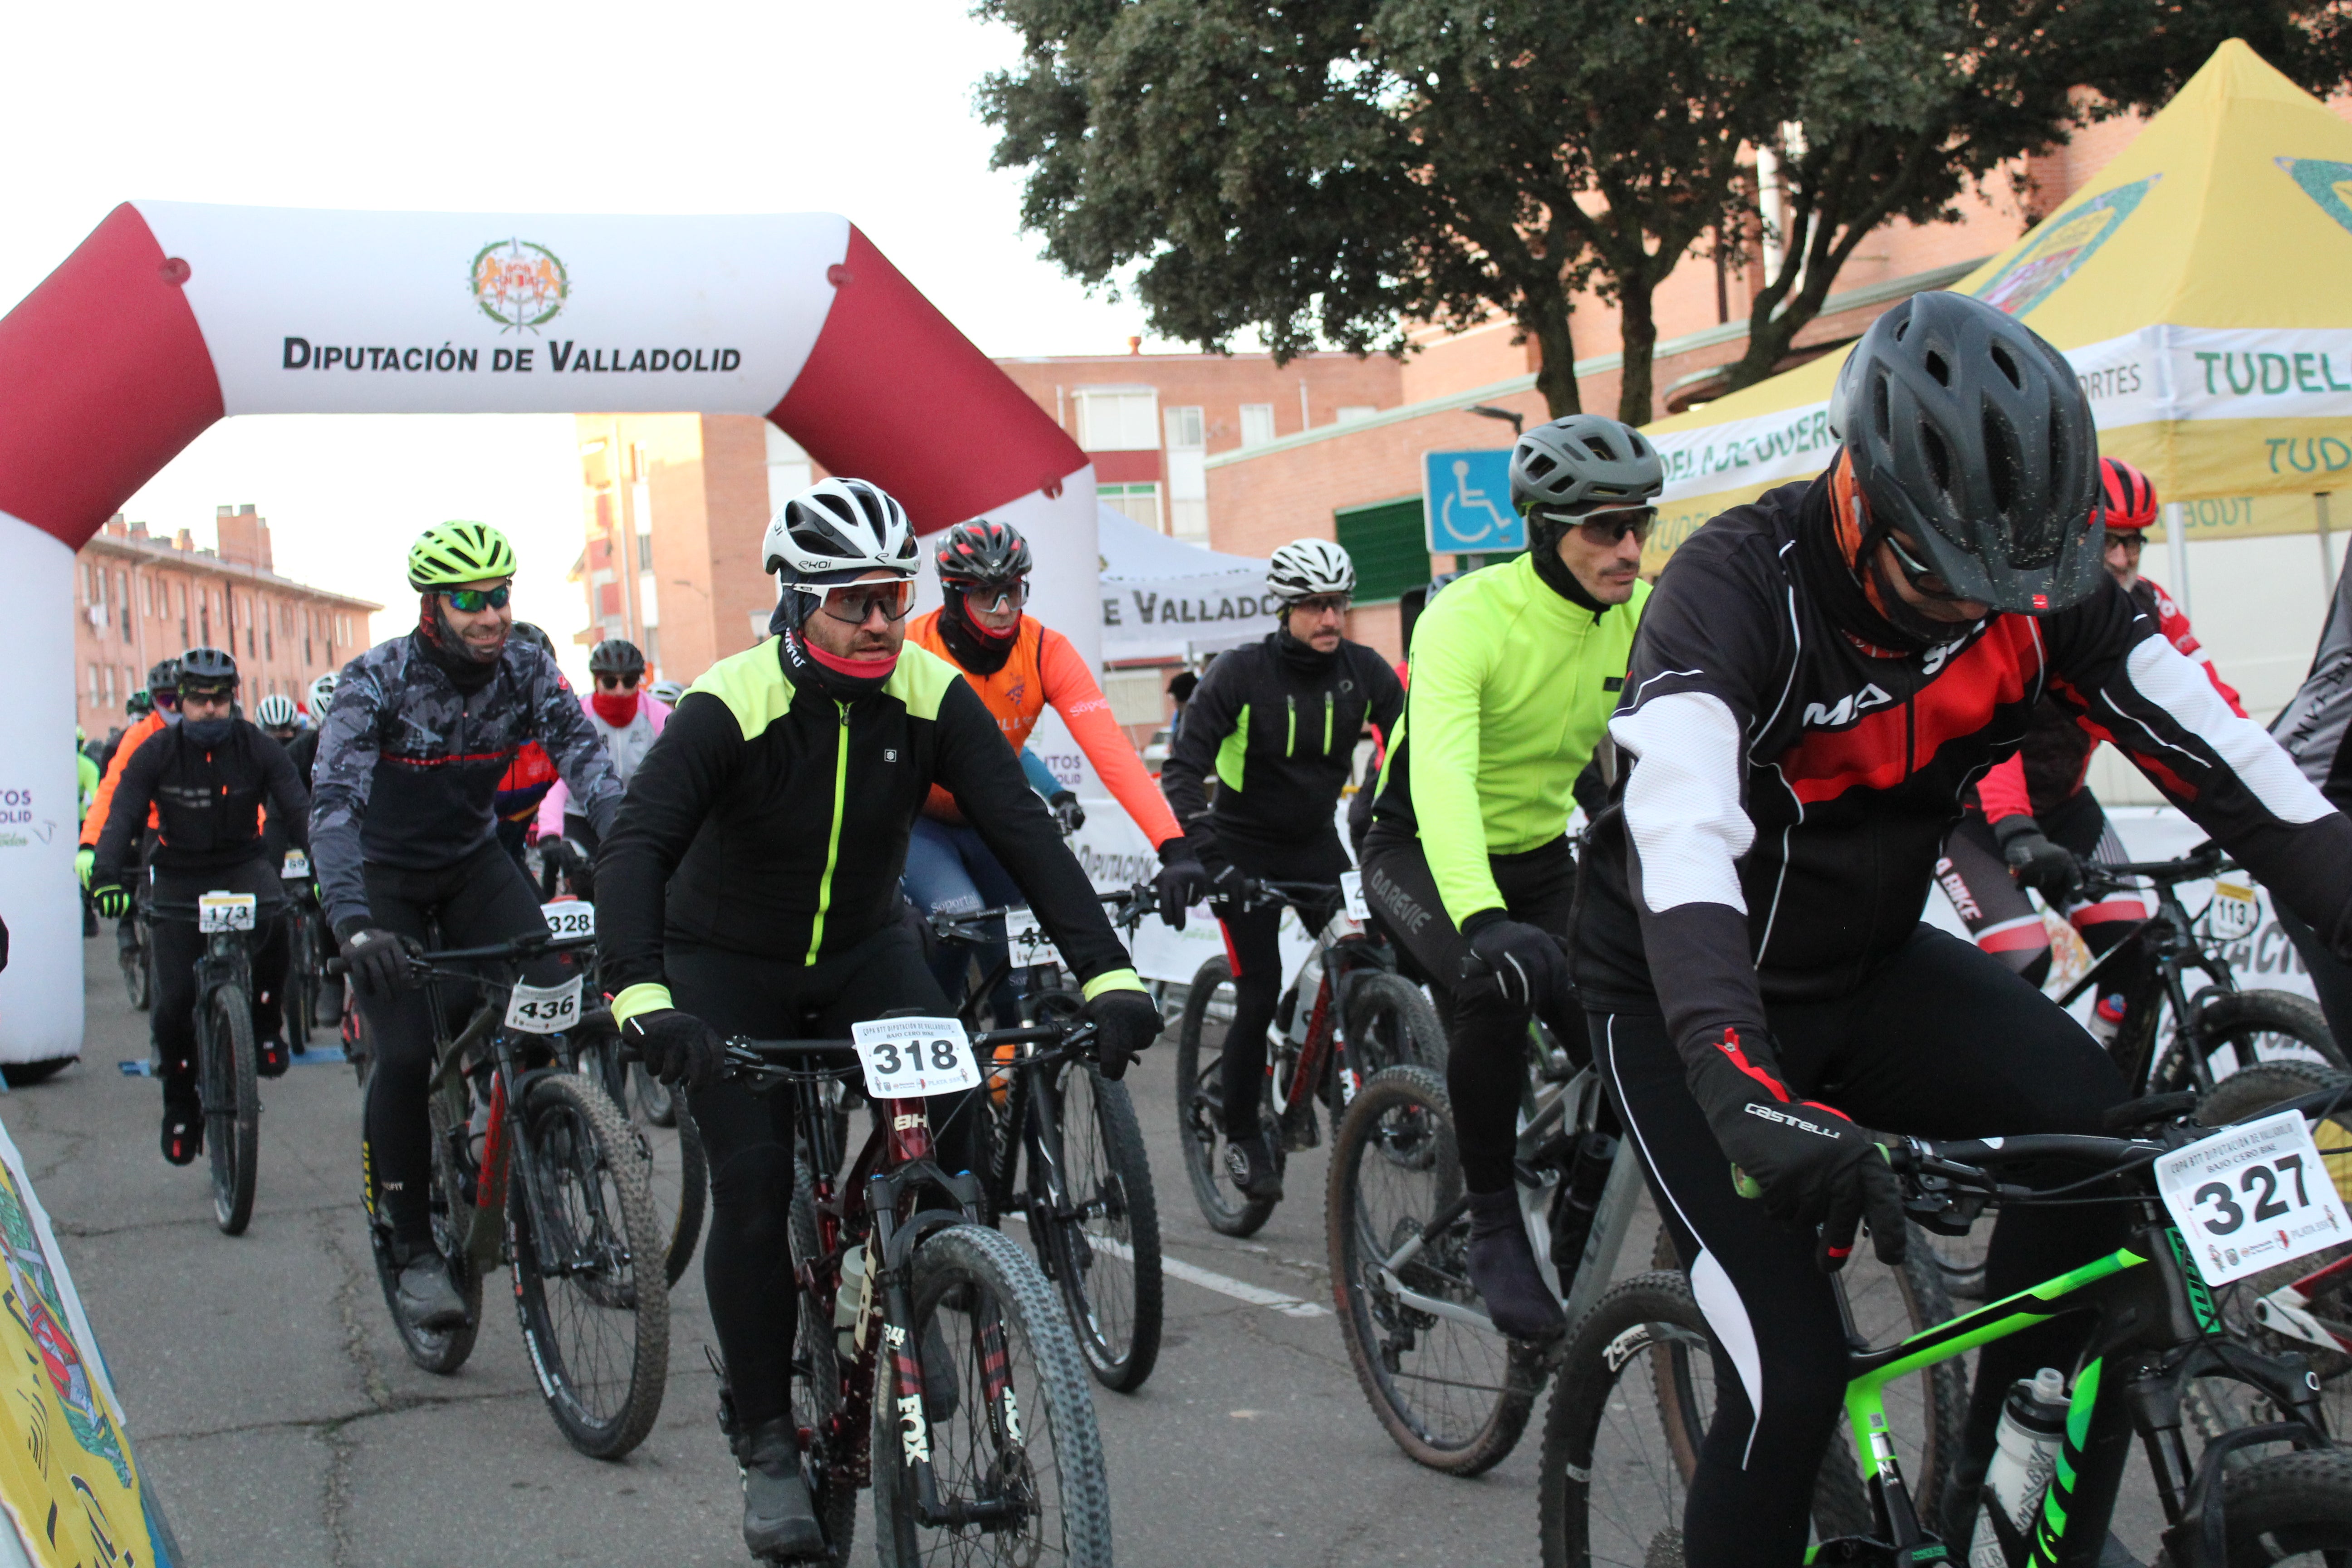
[
  {"x": 207, "y": 777},
  {"x": 163, "y": 694},
  {"x": 1513, "y": 673},
  {"x": 404, "y": 834},
  {"x": 751, "y": 887},
  {"x": 1822, "y": 674}
]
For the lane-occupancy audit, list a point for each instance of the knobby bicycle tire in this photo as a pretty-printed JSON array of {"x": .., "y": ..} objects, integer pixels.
[
  {"x": 2287, "y": 1506},
  {"x": 232, "y": 1103},
  {"x": 1455, "y": 1397},
  {"x": 1199, "y": 1126},
  {"x": 679, "y": 1198},
  {"x": 817, "y": 1394},
  {"x": 979, "y": 1277},
  {"x": 601, "y": 1379},
  {"x": 2243, "y": 1020},
  {"x": 1105, "y": 1255},
  {"x": 1642, "y": 1360},
  {"x": 1388, "y": 1023},
  {"x": 439, "y": 1352}
]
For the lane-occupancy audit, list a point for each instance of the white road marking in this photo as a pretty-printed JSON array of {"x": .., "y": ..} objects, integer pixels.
[{"x": 1209, "y": 1279}]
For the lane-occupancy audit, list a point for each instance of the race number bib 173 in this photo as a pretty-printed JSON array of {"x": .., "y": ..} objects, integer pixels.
[
  {"x": 225, "y": 911},
  {"x": 907, "y": 1058},
  {"x": 2252, "y": 1196},
  {"x": 544, "y": 1009}
]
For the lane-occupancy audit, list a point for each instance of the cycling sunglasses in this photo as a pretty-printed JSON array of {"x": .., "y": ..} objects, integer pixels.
[
  {"x": 853, "y": 603},
  {"x": 474, "y": 601},
  {"x": 2132, "y": 541},
  {"x": 1320, "y": 605},
  {"x": 1921, "y": 577},
  {"x": 996, "y": 596},
  {"x": 1603, "y": 528},
  {"x": 611, "y": 682},
  {"x": 165, "y": 698}
]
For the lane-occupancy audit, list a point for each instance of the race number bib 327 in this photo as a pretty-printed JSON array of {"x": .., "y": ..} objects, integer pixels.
[
  {"x": 544, "y": 1009},
  {"x": 907, "y": 1058},
  {"x": 2252, "y": 1196}
]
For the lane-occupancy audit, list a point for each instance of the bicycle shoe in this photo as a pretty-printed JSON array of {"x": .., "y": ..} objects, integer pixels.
[
  {"x": 779, "y": 1522},
  {"x": 184, "y": 1128},
  {"x": 270, "y": 1058},
  {"x": 1250, "y": 1163},
  {"x": 429, "y": 1301},
  {"x": 1503, "y": 1269}
]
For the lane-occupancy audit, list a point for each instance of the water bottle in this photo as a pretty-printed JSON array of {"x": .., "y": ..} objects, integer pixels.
[
  {"x": 849, "y": 1304},
  {"x": 2106, "y": 1017},
  {"x": 2032, "y": 1425},
  {"x": 1579, "y": 1196}
]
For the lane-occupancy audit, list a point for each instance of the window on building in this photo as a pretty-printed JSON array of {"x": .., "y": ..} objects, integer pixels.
[
  {"x": 93, "y": 686},
  {"x": 1119, "y": 419},
  {"x": 644, "y": 552},
  {"x": 1139, "y": 502},
  {"x": 1257, "y": 423},
  {"x": 788, "y": 470},
  {"x": 652, "y": 652},
  {"x": 1388, "y": 543},
  {"x": 1186, "y": 428},
  {"x": 109, "y": 685},
  {"x": 1351, "y": 412}
]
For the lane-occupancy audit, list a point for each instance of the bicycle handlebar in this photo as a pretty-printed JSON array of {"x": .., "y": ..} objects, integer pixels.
[
  {"x": 1131, "y": 904},
  {"x": 2208, "y": 859},
  {"x": 749, "y": 1058},
  {"x": 530, "y": 944}
]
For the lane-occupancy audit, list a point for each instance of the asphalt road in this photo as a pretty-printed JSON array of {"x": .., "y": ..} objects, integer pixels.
[{"x": 282, "y": 1425}]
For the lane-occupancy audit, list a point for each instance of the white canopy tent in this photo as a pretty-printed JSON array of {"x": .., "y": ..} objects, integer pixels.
[{"x": 1163, "y": 599}]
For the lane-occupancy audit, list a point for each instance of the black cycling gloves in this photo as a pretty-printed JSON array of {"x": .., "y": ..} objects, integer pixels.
[
  {"x": 1126, "y": 1023},
  {"x": 2050, "y": 869},
  {"x": 375, "y": 959},
  {"x": 1814, "y": 1167},
  {"x": 1183, "y": 882},
  {"x": 1068, "y": 815},
  {"x": 112, "y": 901},
  {"x": 676, "y": 1047},
  {"x": 1522, "y": 964}
]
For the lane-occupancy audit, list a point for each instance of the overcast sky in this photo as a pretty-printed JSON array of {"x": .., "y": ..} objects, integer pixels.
[{"x": 780, "y": 105}]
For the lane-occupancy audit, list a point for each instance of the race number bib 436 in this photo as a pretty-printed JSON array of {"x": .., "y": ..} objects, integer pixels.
[
  {"x": 544, "y": 1009},
  {"x": 907, "y": 1058},
  {"x": 2252, "y": 1196}
]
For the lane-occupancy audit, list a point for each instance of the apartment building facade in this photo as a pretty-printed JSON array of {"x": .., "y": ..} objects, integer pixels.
[{"x": 141, "y": 597}]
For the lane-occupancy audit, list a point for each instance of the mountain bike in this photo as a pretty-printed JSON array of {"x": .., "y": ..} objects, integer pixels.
[
  {"x": 933, "y": 1361},
  {"x": 2216, "y": 1029},
  {"x": 227, "y": 1059},
  {"x": 533, "y": 1165},
  {"x": 1346, "y": 1015},
  {"x": 1636, "y": 1391},
  {"x": 1090, "y": 1207},
  {"x": 306, "y": 974},
  {"x": 1450, "y": 1389}
]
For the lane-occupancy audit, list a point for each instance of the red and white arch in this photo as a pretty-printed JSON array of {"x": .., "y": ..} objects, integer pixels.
[{"x": 171, "y": 316}]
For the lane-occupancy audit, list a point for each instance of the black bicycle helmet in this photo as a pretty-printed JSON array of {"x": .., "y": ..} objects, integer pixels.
[
  {"x": 1971, "y": 437},
  {"x": 616, "y": 656},
  {"x": 208, "y": 670},
  {"x": 1585, "y": 462},
  {"x": 165, "y": 677},
  {"x": 981, "y": 551},
  {"x": 139, "y": 704}
]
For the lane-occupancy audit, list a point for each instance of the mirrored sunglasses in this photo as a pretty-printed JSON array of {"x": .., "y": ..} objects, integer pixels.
[
  {"x": 854, "y": 603},
  {"x": 474, "y": 601}
]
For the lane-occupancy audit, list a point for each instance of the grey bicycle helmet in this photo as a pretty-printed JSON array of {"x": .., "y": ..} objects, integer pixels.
[
  {"x": 208, "y": 670},
  {"x": 1585, "y": 462},
  {"x": 164, "y": 676},
  {"x": 1971, "y": 435}
]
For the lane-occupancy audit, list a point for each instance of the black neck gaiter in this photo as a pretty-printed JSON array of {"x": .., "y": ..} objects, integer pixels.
[
  {"x": 1831, "y": 579},
  {"x": 1545, "y": 554},
  {"x": 975, "y": 648},
  {"x": 1300, "y": 657},
  {"x": 441, "y": 647}
]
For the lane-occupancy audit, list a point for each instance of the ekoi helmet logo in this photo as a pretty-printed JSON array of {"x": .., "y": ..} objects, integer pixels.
[{"x": 519, "y": 284}]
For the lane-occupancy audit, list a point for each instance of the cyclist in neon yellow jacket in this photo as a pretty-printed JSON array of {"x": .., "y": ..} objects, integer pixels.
[{"x": 1515, "y": 671}]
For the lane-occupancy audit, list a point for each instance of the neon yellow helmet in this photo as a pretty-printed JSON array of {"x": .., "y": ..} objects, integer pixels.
[{"x": 452, "y": 555}]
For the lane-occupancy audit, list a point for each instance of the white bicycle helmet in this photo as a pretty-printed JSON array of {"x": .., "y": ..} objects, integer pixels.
[
  {"x": 668, "y": 691},
  {"x": 322, "y": 695},
  {"x": 277, "y": 713},
  {"x": 837, "y": 530},
  {"x": 1306, "y": 567}
]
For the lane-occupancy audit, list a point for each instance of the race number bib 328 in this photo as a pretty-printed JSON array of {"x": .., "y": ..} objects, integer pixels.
[
  {"x": 2252, "y": 1196},
  {"x": 569, "y": 918},
  {"x": 907, "y": 1058}
]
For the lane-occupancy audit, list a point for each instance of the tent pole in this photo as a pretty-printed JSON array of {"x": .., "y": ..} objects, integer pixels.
[
  {"x": 2327, "y": 555},
  {"x": 2176, "y": 544}
]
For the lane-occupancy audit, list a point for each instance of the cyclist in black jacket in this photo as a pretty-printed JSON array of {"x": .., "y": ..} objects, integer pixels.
[
  {"x": 208, "y": 777},
  {"x": 1276, "y": 722},
  {"x": 751, "y": 887},
  {"x": 1820, "y": 677}
]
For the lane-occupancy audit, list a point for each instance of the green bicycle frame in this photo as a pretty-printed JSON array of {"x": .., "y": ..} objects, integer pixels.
[{"x": 2157, "y": 1329}]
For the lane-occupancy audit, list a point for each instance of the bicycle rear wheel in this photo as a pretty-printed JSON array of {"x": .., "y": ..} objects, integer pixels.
[
  {"x": 587, "y": 1276},
  {"x": 1104, "y": 1250},
  {"x": 1453, "y": 1392},
  {"x": 827, "y": 1447},
  {"x": 232, "y": 1102},
  {"x": 1200, "y": 1099},
  {"x": 1391, "y": 1023},
  {"x": 678, "y": 1171},
  {"x": 1009, "y": 1422},
  {"x": 1634, "y": 1397}
]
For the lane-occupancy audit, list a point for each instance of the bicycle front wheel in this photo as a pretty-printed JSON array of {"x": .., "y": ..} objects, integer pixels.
[
  {"x": 232, "y": 1103},
  {"x": 819, "y": 1401},
  {"x": 302, "y": 981},
  {"x": 1103, "y": 1248},
  {"x": 1391, "y": 1023},
  {"x": 2237, "y": 1032},
  {"x": 1200, "y": 1102},
  {"x": 587, "y": 1255},
  {"x": 677, "y": 1172},
  {"x": 134, "y": 960},
  {"x": 1453, "y": 1391},
  {"x": 2289, "y": 1508},
  {"x": 1005, "y": 1415}
]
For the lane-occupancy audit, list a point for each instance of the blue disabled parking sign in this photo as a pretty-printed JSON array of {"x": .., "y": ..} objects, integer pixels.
[{"x": 1466, "y": 499}]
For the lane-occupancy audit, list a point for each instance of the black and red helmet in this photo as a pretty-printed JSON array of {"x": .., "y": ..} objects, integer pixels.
[
  {"x": 983, "y": 551},
  {"x": 2131, "y": 499}
]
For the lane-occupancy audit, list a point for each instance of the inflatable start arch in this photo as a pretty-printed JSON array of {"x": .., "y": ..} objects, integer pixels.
[{"x": 171, "y": 316}]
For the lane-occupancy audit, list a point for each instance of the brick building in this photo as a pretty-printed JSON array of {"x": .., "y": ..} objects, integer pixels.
[{"x": 141, "y": 598}]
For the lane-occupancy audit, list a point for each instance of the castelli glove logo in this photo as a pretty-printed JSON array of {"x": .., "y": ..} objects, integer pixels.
[{"x": 1774, "y": 1113}]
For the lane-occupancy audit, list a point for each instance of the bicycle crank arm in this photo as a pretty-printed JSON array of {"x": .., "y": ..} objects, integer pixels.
[
  {"x": 2284, "y": 1313},
  {"x": 1432, "y": 1305}
]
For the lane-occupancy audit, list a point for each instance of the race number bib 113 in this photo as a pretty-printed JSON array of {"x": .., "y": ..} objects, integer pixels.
[
  {"x": 1351, "y": 888},
  {"x": 1030, "y": 944},
  {"x": 2233, "y": 913},
  {"x": 907, "y": 1058},
  {"x": 2252, "y": 1196},
  {"x": 225, "y": 911},
  {"x": 544, "y": 1009},
  {"x": 571, "y": 918}
]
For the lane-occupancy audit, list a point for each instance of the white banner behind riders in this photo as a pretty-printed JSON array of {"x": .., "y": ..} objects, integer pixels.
[{"x": 310, "y": 312}]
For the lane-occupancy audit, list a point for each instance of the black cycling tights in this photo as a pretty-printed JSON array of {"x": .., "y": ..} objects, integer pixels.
[
  {"x": 1486, "y": 1064},
  {"x": 1942, "y": 1041},
  {"x": 483, "y": 898},
  {"x": 747, "y": 1261}
]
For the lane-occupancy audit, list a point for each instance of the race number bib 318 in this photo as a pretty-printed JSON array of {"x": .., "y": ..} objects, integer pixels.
[
  {"x": 907, "y": 1058},
  {"x": 2252, "y": 1196}
]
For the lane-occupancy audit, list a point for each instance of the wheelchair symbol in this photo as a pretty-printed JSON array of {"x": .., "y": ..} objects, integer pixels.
[{"x": 1467, "y": 499}]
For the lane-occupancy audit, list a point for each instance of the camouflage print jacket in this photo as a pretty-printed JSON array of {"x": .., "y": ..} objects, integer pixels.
[{"x": 407, "y": 765}]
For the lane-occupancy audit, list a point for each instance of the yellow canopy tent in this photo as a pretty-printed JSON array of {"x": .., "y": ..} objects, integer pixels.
[{"x": 2201, "y": 285}]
